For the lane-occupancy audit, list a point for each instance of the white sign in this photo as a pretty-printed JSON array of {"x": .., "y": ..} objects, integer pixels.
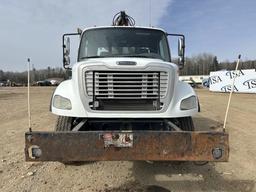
[{"x": 245, "y": 81}]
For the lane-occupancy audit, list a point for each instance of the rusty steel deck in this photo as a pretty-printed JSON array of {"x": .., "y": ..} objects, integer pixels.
[{"x": 145, "y": 145}]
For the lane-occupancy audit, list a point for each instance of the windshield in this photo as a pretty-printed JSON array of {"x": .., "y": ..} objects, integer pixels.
[{"x": 124, "y": 42}]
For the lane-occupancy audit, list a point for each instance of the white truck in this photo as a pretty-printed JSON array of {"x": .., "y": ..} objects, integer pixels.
[{"x": 124, "y": 101}]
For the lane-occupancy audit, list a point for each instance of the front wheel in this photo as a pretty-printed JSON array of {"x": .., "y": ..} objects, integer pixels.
[
  {"x": 64, "y": 123},
  {"x": 186, "y": 123}
]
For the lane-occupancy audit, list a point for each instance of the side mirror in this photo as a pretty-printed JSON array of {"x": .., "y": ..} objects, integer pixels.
[
  {"x": 66, "y": 48},
  {"x": 181, "y": 52},
  {"x": 181, "y": 47},
  {"x": 66, "y": 52}
]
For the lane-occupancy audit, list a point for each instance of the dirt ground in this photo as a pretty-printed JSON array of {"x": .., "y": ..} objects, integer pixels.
[{"x": 239, "y": 174}]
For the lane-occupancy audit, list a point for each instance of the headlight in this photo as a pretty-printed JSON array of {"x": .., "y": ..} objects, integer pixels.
[
  {"x": 188, "y": 103},
  {"x": 61, "y": 102}
]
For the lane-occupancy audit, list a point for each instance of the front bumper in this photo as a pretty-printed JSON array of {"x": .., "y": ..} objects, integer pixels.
[{"x": 147, "y": 145}]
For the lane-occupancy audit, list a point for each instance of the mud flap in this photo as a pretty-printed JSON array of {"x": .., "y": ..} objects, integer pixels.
[{"x": 116, "y": 145}]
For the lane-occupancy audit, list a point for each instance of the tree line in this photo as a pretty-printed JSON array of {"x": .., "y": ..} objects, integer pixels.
[
  {"x": 36, "y": 75},
  {"x": 200, "y": 64},
  {"x": 204, "y": 63}
]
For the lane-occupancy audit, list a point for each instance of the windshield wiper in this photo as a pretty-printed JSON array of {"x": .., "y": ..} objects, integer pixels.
[
  {"x": 144, "y": 56},
  {"x": 90, "y": 57}
]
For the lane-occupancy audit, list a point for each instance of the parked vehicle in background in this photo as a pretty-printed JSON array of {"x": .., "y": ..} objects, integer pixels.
[{"x": 43, "y": 83}]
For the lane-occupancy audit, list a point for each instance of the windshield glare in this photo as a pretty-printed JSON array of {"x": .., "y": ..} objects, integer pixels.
[{"x": 124, "y": 42}]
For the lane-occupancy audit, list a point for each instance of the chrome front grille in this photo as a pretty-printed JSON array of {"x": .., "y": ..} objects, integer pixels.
[
  {"x": 126, "y": 85},
  {"x": 126, "y": 90}
]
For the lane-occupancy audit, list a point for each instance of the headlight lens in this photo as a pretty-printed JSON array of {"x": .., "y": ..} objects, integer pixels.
[
  {"x": 188, "y": 103},
  {"x": 61, "y": 102}
]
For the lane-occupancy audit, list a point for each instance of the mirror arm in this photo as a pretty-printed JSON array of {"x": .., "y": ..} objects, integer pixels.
[
  {"x": 80, "y": 31},
  {"x": 177, "y": 35}
]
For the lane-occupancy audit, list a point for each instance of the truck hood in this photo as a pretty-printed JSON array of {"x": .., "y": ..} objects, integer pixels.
[{"x": 124, "y": 62}]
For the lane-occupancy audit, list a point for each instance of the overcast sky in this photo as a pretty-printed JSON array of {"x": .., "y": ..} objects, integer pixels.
[{"x": 33, "y": 29}]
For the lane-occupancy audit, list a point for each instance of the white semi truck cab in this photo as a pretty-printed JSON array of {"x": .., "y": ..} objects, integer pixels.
[
  {"x": 124, "y": 72},
  {"x": 124, "y": 101}
]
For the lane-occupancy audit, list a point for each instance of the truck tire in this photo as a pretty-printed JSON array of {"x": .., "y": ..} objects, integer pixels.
[
  {"x": 64, "y": 123},
  {"x": 186, "y": 123}
]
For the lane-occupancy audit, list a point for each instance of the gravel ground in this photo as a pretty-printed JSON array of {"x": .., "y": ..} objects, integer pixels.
[{"x": 239, "y": 174}]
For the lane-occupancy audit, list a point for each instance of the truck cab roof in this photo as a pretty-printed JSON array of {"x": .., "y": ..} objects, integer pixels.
[{"x": 132, "y": 27}]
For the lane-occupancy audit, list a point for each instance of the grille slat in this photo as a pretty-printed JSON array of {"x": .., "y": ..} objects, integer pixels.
[
  {"x": 120, "y": 94},
  {"x": 126, "y": 97},
  {"x": 126, "y": 81},
  {"x": 90, "y": 86},
  {"x": 130, "y": 77},
  {"x": 129, "y": 81},
  {"x": 121, "y": 73},
  {"x": 123, "y": 90}
]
